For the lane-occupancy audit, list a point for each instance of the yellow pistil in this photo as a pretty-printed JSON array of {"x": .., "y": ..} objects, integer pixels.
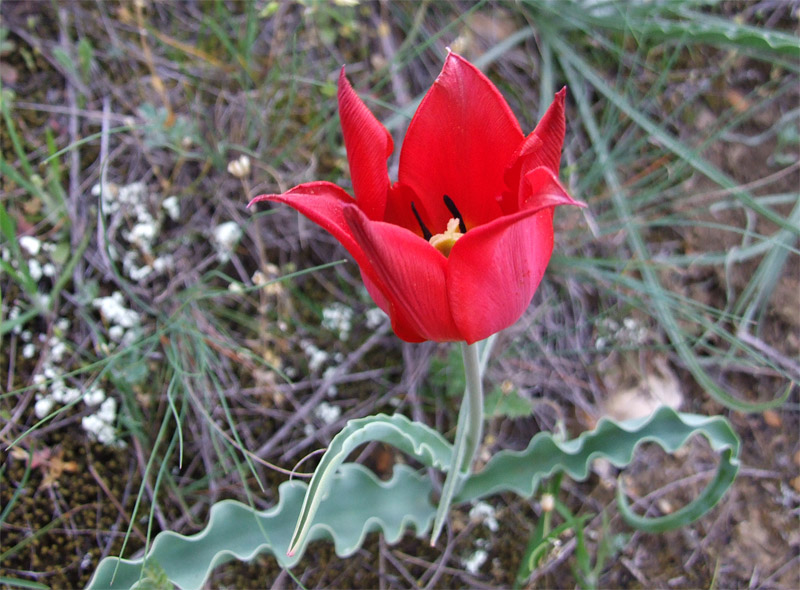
[{"x": 444, "y": 242}]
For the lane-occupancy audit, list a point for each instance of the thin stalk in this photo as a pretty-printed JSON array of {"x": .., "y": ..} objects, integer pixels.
[
  {"x": 473, "y": 401},
  {"x": 468, "y": 436}
]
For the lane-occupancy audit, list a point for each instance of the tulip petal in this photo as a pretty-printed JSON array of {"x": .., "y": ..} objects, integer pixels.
[
  {"x": 401, "y": 329},
  {"x": 400, "y": 208},
  {"x": 323, "y": 203},
  {"x": 410, "y": 275},
  {"x": 494, "y": 271},
  {"x": 542, "y": 188},
  {"x": 368, "y": 146},
  {"x": 541, "y": 148},
  {"x": 459, "y": 143},
  {"x": 550, "y": 133}
]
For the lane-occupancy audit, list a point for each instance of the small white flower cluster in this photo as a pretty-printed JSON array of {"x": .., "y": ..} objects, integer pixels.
[
  {"x": 52, "y": 390},
  {"x": 123, "y": 323},
  {"x": 485, "y": 513},
  {"x": 338, "y": 317},
  {"x": 100, "y": 425},
  {"x": 630, "y": 333},
  {"x": 475, "y": 561},
  {"x": 134, "y": 207},
  {"x": 172, "y": 207},
  {"x": 375, "y": 317},
  {"x": 49, "y": 384},
  {"x": 225, "y": 237},
  {"x": 332, "y": 389},
  {"x": 38, "y": 258},
  {"x": 316, "y": 357},
  {"x": 32, "y": 246},
  {"x": 327, "y": 413}
]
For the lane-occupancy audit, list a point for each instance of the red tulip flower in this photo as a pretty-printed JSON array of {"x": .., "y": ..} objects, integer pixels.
[{"x": 455, "y": 249}]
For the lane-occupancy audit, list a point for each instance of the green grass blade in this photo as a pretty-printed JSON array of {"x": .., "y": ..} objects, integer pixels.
[
  {"x": 17, "y": 583},
  {"x": 620, "y": 199},
  {"x": 575, "y": 63}
]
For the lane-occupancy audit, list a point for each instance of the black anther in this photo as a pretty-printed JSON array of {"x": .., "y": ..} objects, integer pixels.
[
  {"x": 451, "y": 206},
  {"x": 425, "y": 232}
]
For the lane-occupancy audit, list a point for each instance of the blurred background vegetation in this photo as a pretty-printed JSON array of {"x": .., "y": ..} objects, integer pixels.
[{"x": 163, "y": 347}]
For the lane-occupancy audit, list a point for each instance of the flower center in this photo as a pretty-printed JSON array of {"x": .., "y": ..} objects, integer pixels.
[
  {"x": 445, "y": 242},
  {"x": 455, "y": 228}
]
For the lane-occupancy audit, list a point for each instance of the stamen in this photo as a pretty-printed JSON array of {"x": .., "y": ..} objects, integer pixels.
[
  {"x": 425, "y": 232},
  {"x": 451, "y": 206},
  {"x": 445, "y": 242}
]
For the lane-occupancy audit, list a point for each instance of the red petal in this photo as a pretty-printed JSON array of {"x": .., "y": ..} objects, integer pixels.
[
  {"x": 399, "y": 210},
  {"x": 410, "y": 275},
  {"x": 323, "y": 203},
  {"x": 368, "y": 145},
  {"x": 401, "y": 329},
  {"x": 541, "y": 148},
  {"x": 494, "y": 271},
  {"x": 459, "y": 143},
  {"x": 541, "y": 188}
]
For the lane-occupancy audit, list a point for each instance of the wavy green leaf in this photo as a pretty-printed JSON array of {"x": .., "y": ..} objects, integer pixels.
[
  {"x": 358, "y": 503},
  {"x": 726, "y": 473},
  {"x": 418, "y": 440},
  {"x": 356, "y": 506},
  {"x": 521, "y": 471}
]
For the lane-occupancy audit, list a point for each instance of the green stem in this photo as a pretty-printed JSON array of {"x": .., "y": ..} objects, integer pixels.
[
  {"x": 473, "y": 401},
  {"x": 468, "y": 436}
]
